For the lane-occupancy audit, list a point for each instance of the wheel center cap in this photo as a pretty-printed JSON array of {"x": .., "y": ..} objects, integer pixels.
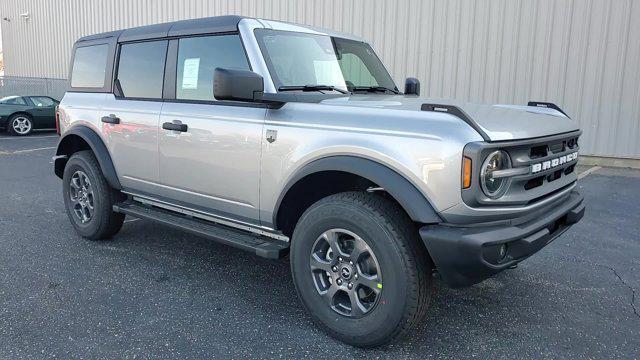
[{"x": 346, "y": 272}]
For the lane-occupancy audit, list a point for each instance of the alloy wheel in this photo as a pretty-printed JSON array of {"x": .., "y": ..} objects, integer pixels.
[
  {"x": 81, "y": 195},
  {"x": 346, "y": 273},
  {"x": 21, "y": 125}
]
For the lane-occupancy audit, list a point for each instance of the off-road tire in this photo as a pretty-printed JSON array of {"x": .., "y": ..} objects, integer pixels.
[
  {"x": 104, "y": 223},
  {"x": 404, "y": 264}
]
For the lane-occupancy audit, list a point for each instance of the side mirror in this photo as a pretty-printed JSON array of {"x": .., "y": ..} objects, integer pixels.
[
  {"x": 412, "y": 86},
  {"x": 237, "y": 85}
]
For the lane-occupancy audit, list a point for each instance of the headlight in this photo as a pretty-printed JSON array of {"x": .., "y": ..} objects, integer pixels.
[{"x": 495, "y": 187}]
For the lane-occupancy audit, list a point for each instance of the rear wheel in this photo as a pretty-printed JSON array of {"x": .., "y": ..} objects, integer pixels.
[
  {"x": 20, "y": 125},
  {"x": 89, "y": 199},
  {"x": 359, "y": 268}
]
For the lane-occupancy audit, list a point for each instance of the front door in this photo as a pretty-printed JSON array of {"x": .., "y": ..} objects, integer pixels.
[{"x": 209, "y": 151}]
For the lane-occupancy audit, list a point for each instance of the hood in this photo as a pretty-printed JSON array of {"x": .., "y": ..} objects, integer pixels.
[{"x": 498, "y": 122}]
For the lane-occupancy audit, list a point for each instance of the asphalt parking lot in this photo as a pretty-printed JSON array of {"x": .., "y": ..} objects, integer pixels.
[{"x": 155, "y": 292}]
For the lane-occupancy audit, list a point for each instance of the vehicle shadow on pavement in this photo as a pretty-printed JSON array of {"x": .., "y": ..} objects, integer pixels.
[{"x": 265, "y": 289}]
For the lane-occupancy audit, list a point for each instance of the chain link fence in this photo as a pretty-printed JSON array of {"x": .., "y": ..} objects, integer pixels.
[{"x": 14, "y": 85}]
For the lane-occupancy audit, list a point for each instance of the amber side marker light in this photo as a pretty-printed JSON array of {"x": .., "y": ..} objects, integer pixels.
[{"x": 466, "y": 172}]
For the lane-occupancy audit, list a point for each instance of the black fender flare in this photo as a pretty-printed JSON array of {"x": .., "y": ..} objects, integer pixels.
[
  {"x": 65, "y": 150},
  {"x": 402, "y": 190}
]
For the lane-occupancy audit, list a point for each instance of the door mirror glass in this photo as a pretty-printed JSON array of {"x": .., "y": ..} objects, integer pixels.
[{"x": 237, "y": 85}]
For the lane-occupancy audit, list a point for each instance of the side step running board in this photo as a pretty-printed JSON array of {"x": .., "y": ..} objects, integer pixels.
[{"x": 261, "y": 246}]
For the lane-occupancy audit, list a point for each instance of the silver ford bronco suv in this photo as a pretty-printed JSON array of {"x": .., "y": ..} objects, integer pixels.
[{"x": 288, "y": 140}]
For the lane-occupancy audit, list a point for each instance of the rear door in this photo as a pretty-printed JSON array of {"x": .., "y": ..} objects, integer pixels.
[
  {"x": 132, "y": 116},
  {"x": 212, "y": 165}
]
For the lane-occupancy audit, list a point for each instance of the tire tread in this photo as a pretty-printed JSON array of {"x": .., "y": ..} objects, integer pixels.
[
  {"x": 391, "y": 216},
  {"x": 110, "y": 221}
]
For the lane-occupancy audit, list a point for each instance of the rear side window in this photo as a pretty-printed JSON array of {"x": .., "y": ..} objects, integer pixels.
[
  {"x": 198, "y": 57},
  {"x": 141, "y": 69},
  {"x": 89, "y": 66}
]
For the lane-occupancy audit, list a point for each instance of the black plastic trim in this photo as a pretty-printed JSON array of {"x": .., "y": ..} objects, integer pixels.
[
  {"x": 457, "y": 112},
  {"x": 97, "y": 146},
  {"x": 547, "y": 105},
  {"x": 462, "y": 255},
  {"x": 244, "y": 240},
  {"x": 170, "y": 70},
  {"x": 410, "y": 198}
]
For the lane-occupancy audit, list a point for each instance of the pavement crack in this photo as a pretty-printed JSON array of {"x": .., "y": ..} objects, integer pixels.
[
  {"x": 633, "y": 291},
  {"x": 615, "y": 272}
]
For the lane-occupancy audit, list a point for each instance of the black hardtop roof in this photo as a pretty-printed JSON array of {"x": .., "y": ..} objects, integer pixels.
[{"x": 208, "y": 25}]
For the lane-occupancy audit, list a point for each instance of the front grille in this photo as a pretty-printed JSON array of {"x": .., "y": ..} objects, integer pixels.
[{"x": 546, "y": 160}]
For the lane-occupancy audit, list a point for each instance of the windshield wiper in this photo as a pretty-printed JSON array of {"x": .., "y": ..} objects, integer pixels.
[
  {"x": 374, "y": 89},
  {"x": 311, "y": 88}
]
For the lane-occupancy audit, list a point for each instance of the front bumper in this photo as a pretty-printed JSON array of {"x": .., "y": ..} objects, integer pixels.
[{"x": 465, "y": 255}]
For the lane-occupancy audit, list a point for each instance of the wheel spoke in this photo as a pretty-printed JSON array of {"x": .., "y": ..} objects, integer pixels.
[
  {"x": 332, "y": 239},
  {"x": 330, "y": 293},
  {"x": 75, "y": 183},
  {"x": 359, "y": 248},
  {"x": 83, "y": 182},
  {"x": 370, "y": 281},
  {"x": 317, "y": 263},
  {"x": 88, "y": 211},
  {"x": 356, "y": 306}
]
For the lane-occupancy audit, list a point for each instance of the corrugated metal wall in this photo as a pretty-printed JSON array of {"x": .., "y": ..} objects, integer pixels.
[{"x": 581, "y": 54}]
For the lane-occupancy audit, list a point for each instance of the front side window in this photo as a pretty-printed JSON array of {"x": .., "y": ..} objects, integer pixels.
[
  {"x": 42, "y": 101},
  {"x": 89, "y": 66},
  {"x": 198, "y": 57},
  {"x": 13, "y": 100},
  {"x": 302, "y": 59},
  {"x": 141, "y": 69}
]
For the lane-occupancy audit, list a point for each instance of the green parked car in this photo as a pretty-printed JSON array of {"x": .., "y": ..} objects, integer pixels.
[{"x": 20, "y": 115}]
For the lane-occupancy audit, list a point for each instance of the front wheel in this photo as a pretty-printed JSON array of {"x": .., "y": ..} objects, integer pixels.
[
  {"x": 89, "y": 199},
  {"x": 359, "y": 268},
  {"x": 20, "y": 125}
]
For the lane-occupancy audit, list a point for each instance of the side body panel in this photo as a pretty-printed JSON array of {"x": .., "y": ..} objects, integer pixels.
[
  {"x": 397, "y": 139},
  {"x": 133, "y": 143},
  {"x": 215, "y": 164}
]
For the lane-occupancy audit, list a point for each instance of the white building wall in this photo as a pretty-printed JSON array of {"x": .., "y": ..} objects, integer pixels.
[{"x": 583, "y": 55}]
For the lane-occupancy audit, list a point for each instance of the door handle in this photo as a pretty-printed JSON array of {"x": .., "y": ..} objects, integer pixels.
[
  {"x": 111, "y": 119},
  {"x": 175, "y": 126}
]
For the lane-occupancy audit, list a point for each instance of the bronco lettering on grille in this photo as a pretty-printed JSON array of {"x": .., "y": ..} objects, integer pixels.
[{"x": 545, "y": 165}]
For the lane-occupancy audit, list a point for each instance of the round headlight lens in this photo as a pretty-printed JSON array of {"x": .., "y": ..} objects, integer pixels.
[{"x": 495, "y": 187}]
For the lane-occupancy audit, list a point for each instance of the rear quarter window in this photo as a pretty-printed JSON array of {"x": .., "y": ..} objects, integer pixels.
[{"x": 89, "y": 66}]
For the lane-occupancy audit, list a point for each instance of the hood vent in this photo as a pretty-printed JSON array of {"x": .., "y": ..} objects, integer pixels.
[{"x": 457, "y": 112}]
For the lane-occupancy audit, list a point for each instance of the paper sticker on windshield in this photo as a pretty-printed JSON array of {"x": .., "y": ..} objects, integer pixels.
[{"x": 190, "y": 73}]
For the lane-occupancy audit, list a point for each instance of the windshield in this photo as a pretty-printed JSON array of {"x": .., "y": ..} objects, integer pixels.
[{"x": 300, "y": 59}]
